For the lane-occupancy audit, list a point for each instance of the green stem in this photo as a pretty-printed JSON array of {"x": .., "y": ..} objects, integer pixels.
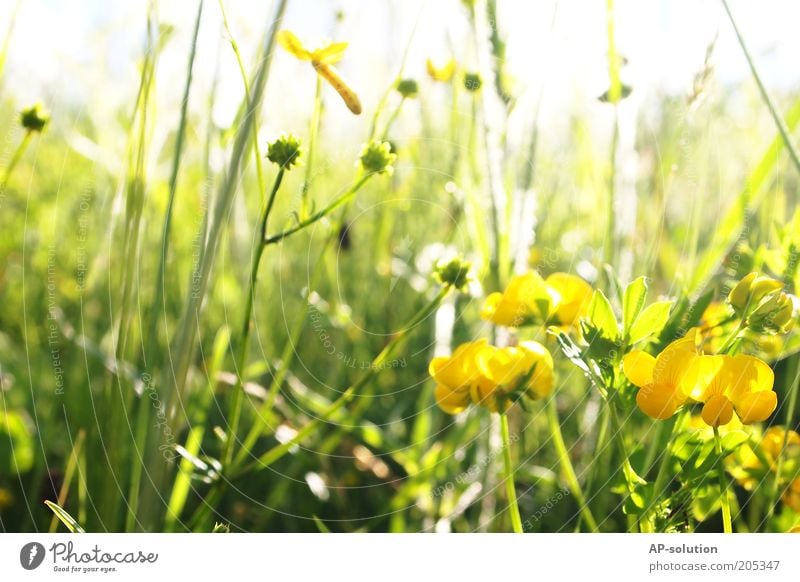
[
  {"x": 513, "y": 507},
  {"x": 566, "y": 464},
  {"x": 779, "y": 122},
  {"x": 791, "y": 398},
  {"x": 631, "y": 478},
  {"x": 241, "y": 356},
  {"x": 321, "y": 213},
  {"x": 316, "y": 119},
  {"x": 23, "y": 145},
  {"x": 723, "y": 485},
  {"x": 731, "y": 340}
]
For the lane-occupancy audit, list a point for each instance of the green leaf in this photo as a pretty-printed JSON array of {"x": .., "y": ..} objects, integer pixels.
[
  {"x": 650, "y": 321},
  {"x": 733, "y": 440},
  {"x": 633, "y": 302},
  {"x": 601, "y": 315},
  {"x": 65, "y": 518}
]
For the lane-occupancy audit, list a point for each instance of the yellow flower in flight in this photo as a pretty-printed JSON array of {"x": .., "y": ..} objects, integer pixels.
[
  {"x": 486, "y": 375},
  {"x": 723, "y": 384},
  {"x": 323, "y": 59},
  {"x": 441, "y": 73},
  {"x": 561, "y": 299}
]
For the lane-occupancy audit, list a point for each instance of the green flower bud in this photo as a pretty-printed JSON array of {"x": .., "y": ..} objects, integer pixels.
[
  {"x": 377, "y": 158},
  {"x": 408, "y": 88},
  {"x": 284, "y": 151},
  {"x": 34, "y": 118},
  {"x": 454, "y": 273},
  {"x": 740, "y": 294},
  {"x": 773, "y": 315},
  {"x": 472, "y": 82},
  {"x": 762, "y": 287}
]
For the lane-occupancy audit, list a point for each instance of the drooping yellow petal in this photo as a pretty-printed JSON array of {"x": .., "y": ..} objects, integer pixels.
[
  {"x": 540, "y": 384},
  {"x": 717, "y": 410},
  {"x": 330, "y": 54},
  {"x": 500, "y": 312},
  {"x": 451, "y": 401},
  {"x": 458, "y": 370},
  {"x": 332, "y": 76},
  {"x": 638, "y": 367},
  {"x": 657, "y": 401},
  {"x": 291, "y": 44},
  {"x": 756, "y": 406}
]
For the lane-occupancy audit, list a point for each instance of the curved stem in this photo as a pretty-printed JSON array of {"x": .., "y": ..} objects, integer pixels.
[
  {"x": 566, "y": 464},
  {"x": 513, "y": 507},
  {"x": 723, "y": 486},
  {"x": 320, "y": 214},
  {"x": 241, "y": 356}
]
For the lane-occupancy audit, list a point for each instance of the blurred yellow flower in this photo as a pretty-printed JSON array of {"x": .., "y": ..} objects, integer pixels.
[
  {"x": 723, "y": 384},
  {"x": 561, "y": 300},
  {"x": 573, "y": 296},
  {"x": 323, "y": 59},
  {"x": 525, "y": 300},
  {"x": 486, "y": 375},
  {"x": 441, "y": 73},
  {"x": 747, "y": 465}
]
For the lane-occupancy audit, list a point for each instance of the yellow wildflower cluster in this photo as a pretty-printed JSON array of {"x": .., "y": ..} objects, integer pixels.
[
  {"x": 681, "y": 373},
  {"x": 561, "y": 299},
  {"x": 482, "y": 374},
  {"x": 748, "y": 466}
]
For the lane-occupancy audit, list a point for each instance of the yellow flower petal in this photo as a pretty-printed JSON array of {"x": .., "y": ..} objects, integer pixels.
[
  {"x": 638, "y": 367},
  {"x": 702, "y": 378},
  {"x": 540, "y": 384},
  {"x": 330, "y": 54},
  {"x": 574, "y": 296},
  {"x": 657, "y": 401},
  {"x": 451, "y": 401},
  {"x": 291, "y": 44},
  {"x": 757, "y": 406},
  {"x": 747, "y": 374},
  {"x": 717, "y": 410}
]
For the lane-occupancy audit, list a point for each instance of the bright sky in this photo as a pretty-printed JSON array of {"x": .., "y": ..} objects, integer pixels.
[{"x": 86, "y": 51}]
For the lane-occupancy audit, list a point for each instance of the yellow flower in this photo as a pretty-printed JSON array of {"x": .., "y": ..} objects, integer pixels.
[
  {"x": 525, "y": 300},
  {"x": 457, "y": 376},
  {"x": 748, "y": 468},
  {"x": 561, "y": 299},
  {"x": 574, "y": 295},
  {"x": 486, "y": 375},
  {"x": 323, "y": 59},
  {"x": 723, "y": 384},
  {"x": 713, "y": 328},
  {"x": 661, "y": 380},
  {"x": 792, "y": 495},
  {"x": 442, "y": 73}
]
